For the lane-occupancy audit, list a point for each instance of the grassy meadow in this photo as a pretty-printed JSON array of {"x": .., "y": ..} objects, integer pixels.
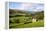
[{"x": 22, "y": 19}]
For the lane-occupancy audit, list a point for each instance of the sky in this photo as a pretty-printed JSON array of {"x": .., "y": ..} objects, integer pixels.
[{"x": 26, "y": 6}]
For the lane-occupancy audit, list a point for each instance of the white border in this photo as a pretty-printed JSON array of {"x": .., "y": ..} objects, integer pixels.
[
  {"x": 28, "y": 28},
  {"x": 2, "y": 15}
]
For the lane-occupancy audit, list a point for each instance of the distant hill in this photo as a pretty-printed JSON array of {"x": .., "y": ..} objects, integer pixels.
[
  {"x": 23, "y": 11},
  {"x": 16, "y": 11}
]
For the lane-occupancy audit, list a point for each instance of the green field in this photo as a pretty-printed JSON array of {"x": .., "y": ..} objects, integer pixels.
[
  {"x": 28, "y": 25},
  {"x": 22, "y": 19}
]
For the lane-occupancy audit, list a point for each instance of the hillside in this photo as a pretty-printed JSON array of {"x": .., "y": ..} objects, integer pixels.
[{"x": 23, "y": 19}]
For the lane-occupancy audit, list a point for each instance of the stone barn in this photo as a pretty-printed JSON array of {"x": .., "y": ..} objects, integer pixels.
[{"x": 34, "y": 18}]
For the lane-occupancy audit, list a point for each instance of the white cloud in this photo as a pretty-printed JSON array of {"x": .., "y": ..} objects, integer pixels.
[
  {"x": 29, "y": 6},
  {"x": 26, "y": 5}
]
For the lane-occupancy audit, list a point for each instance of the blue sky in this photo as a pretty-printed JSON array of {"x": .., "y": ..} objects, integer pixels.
[
  {"x": 14, "y": 5},
  {"x": 26, "y": 6}
]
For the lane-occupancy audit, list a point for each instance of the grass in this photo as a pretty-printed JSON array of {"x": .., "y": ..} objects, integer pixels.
[
  {"x": 29, "y": 25},
  {"x": 38, "y": 24}
]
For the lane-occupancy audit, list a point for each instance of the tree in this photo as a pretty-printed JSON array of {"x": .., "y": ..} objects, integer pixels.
[{"x": 16, "y": 20}]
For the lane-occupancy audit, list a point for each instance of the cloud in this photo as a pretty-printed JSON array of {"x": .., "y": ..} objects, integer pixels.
[
  {"x": 24, "y": 6},
  {"x": 28, "y": 6}
]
